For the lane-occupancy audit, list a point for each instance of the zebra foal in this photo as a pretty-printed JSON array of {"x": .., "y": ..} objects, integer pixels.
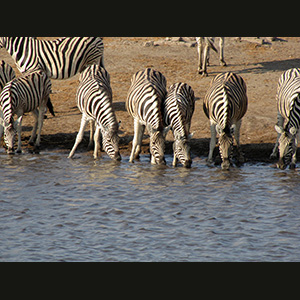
[
  {"x": 288, "y": 107},
  {"x": 203, "y": 46},
  {"x": 225, "y": 104},
  {"x": 144, "y": 104},
  {"x": 61, "y": 58},
  {"x": 94, "y": 100},
  {"x": 179, "y": 107},
  {"x": 20, "y": 95}
]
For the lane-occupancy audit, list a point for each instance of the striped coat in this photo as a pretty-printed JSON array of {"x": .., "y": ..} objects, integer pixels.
[
  {"x": 144, "y": 104},
  {"x": 225, "y": 104}
]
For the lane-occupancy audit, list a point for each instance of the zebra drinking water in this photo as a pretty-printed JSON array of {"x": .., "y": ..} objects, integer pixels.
[
  {"x": 144, "y": 104},
  {"x": 21, "y": 95},
  {"x": 288, "y": 106},
  {"x": 225, "y": 104},
  {"x": 61, "y": 58},
  {"x": 94, "y": 100},
  {"x": 179, "y": 107}
]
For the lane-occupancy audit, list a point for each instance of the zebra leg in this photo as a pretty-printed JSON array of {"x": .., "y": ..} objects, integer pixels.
[
  {"x": 213, "y": 140},
  {"x": 294, "y": 157},
  {"x": 40, "y": 124},
  {"x": 84, "y": 121},
  {"x": 222, "y": 61},
  {"x": 35, "y": 114},
  {"x": 1, "y": 125},
  {"x": 204, "y": 66},
  {"x": 137, "y": 140},
  {"x": 97, "y": 135},
  {"x": 92, "y": 132},
  {"x": 18, "y": 125},
  {"x": 200, "y": 50},
  {"x": 280, "y": 121}
]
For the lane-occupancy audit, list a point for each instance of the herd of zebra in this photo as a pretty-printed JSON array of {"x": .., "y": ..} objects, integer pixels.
[{"x": 148, "y": 102}]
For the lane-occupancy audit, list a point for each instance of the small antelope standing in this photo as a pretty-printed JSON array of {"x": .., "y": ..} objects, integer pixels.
[
  {"x": 203, "y": 46},
  {"x": 179, "y": 107},
  {"x": 94, "y": 100},
  {"x": 144, "y": 104},
  {"x": 225, "y": 104},
  {"x": 24, "y": 94}
]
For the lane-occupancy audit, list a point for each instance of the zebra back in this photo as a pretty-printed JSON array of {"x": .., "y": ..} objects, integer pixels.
[
  {"x": 145, "y": 96},
  {"x": 94, "y": 97},
  {"x": 226, "y": 99},
  {"x": 179, "y": 107},
  {"x": 6, "y": 74},
  {"x": 60, "y": 59},
  {"x": 287, "y": 96},
  {"x": 25, "y": 92}
]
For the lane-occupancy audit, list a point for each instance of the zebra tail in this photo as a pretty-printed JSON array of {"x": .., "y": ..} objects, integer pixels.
[
  {"x": 210, "y": 43},
  {"x": 50, "y": 107},
  {"x": 225, "y": 108}
]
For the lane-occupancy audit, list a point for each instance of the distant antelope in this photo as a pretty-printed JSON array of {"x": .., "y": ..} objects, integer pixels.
[{"x": 204, "y": 44}]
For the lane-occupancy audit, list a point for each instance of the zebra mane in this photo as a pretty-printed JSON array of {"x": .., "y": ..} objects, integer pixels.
[{"x": 225, "y": 108}]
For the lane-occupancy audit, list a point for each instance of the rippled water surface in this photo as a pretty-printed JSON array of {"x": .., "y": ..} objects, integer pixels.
[{"x": 56, "y": 209}]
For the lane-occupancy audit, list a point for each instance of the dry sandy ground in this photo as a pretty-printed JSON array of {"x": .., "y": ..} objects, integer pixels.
[{"x": 259, "y": 65}]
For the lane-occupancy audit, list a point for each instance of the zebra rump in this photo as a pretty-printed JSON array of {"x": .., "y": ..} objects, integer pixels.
[
  {"x": 225, "y": 104},
  {"x": 179, "y": 107},
  {"x": 288, "y": 105},
  {"x": 94, "y": 100},
  {"x": 24, "y": 94},
  {"x": 144, "y": 104}
]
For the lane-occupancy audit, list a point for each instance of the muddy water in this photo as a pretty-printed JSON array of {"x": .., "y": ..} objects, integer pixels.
[{"x": 56, "y": 209}]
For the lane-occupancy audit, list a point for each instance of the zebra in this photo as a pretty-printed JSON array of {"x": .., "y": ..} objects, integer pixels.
[
  {"x": 144, "y": 104},
  {"x": 178, "y": 110},
  {"x": 225, "y": 104},
  {"x": 288, "y": 112},
  {"x": 7, "y": 73},
  {"x": 21, "y": 95},
  {"x": 94, "y": 100},
  {"x": 61, "y": 58},
  {"x": 203, "y": 46}
]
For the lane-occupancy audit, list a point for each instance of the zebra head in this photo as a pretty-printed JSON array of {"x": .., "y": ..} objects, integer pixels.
[
  {"x": 110, "y": 144},
  {"x": 287, "y": 145},
  {"x": 225, "y": 146},
  {"x": 181, "y": 149},
  {"x": 9, "y": 138},
  {"x": 157, "y": 148}
]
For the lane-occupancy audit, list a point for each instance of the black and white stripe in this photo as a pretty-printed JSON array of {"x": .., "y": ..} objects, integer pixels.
[
  {"x": 225, "y": 104},
  {"x": 21, "y": 95},
  {"x": 203, "y": 46},
  {"x": 94, "y": 100},
  {"x": 144, "y": 104},
  {"x": 288, "y": 106},
  {"x": 179, "y": 107},
  {"x": 6, "y": 74},
  {"x": 61, "y": 58}
]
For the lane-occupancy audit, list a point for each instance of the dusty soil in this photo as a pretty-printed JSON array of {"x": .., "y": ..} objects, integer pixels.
[{"x": 259, "y": 65}]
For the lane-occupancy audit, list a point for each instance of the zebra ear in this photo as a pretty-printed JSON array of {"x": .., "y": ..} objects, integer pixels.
[
  {"x": 279, "y": 129},
  {"x": 293, "y": 131}
]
